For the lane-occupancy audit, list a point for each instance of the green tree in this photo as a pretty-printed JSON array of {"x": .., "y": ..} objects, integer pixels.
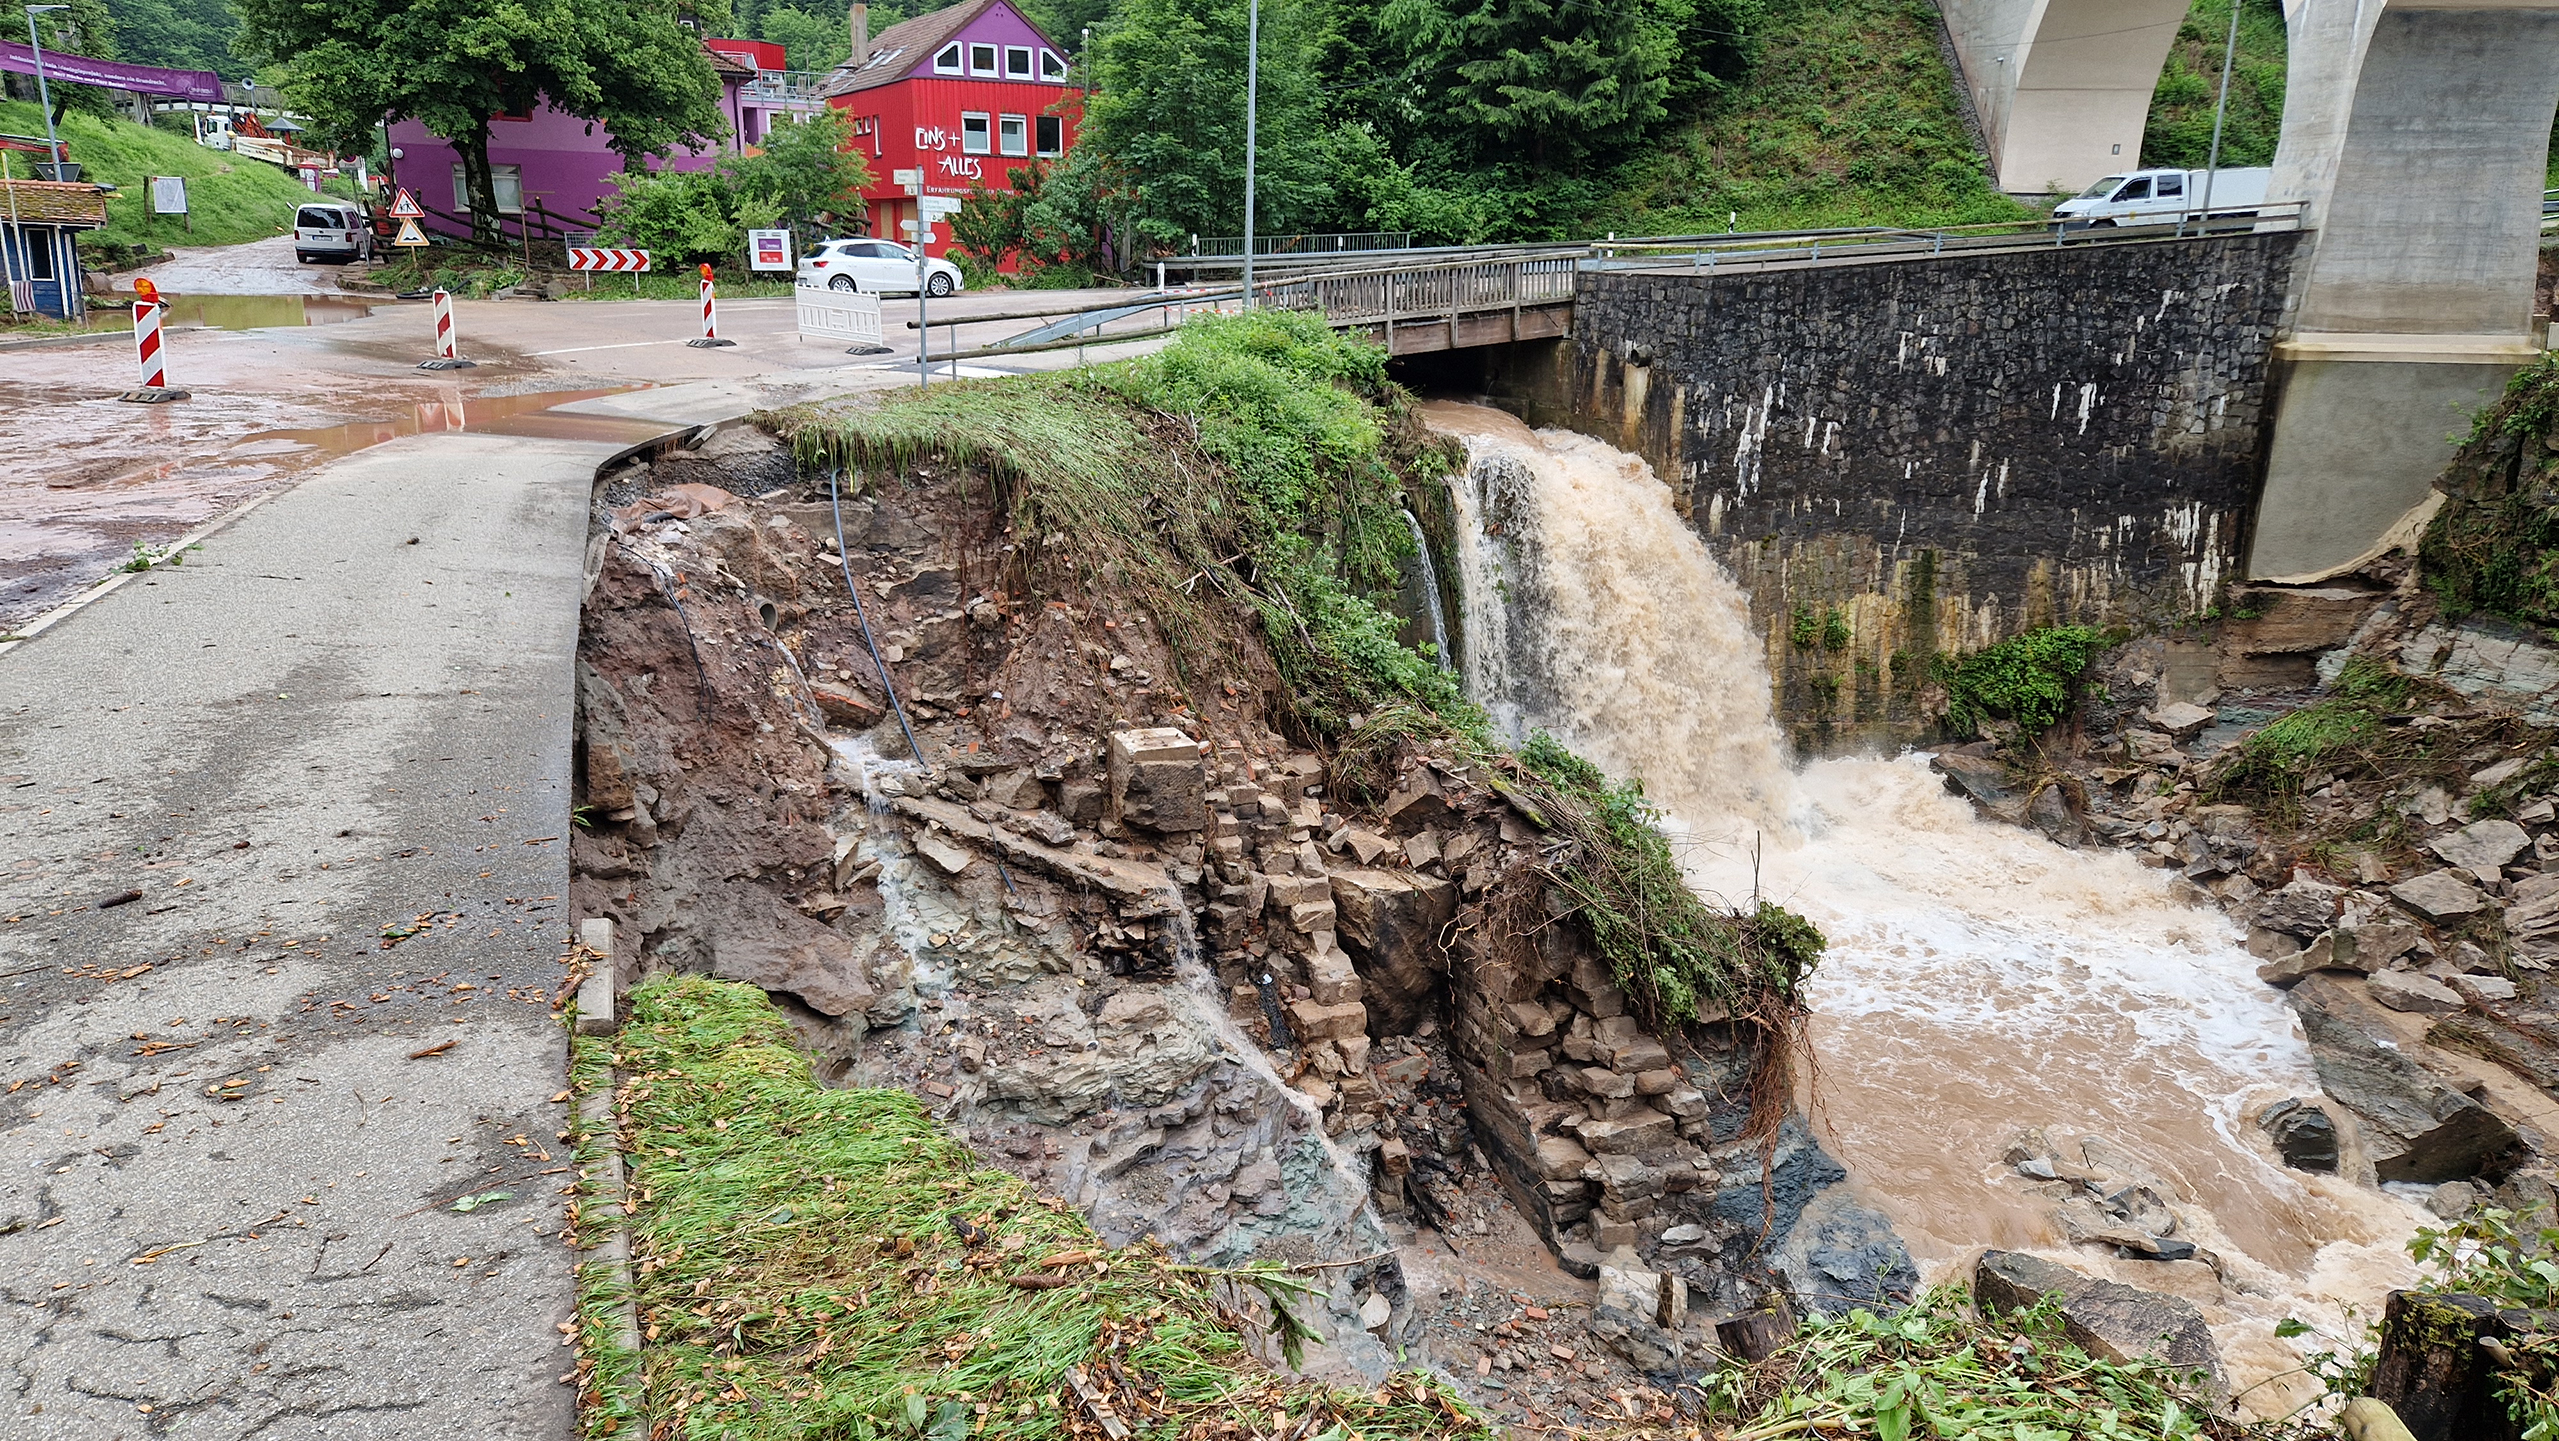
[
  {"x": 455, "y": 65},
  {"x": 179, "y": 34},
  {"x": 1563, "y": 80},
  {"x": 809, "y": 42},
  {"x": 802, "y": 174},
  {"x": 1168, "y": 109}
]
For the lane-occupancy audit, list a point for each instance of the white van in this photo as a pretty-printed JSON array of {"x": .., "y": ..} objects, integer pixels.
[
  {"x": 2163, "y": 197},
  {"x": 332, "y": 230}
]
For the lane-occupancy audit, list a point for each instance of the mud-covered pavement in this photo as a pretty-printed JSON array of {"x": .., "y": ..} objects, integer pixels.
[{"x": 288, "y": 377}]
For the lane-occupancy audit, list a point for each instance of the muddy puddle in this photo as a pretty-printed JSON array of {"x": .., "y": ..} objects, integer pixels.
[
  {"x": 84, "y": 480},
  {"x": 246, "y": 312}
]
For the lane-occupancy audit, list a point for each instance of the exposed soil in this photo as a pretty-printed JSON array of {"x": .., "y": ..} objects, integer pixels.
[{"x": 1115, "y": 928}]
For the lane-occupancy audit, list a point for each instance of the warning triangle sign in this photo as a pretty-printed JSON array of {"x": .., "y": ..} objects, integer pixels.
[
  {"x": 409, "y": 234},
  {"x": 405, "y": 206}
]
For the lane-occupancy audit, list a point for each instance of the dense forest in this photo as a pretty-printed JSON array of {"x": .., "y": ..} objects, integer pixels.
[{"x": 1464, "y": 120}]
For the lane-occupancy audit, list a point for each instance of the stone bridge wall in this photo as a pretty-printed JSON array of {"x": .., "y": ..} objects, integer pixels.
[{"x": 1919, "y": 458}]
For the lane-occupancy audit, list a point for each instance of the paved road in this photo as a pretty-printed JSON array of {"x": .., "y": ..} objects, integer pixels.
[
  {"x": 83, "y": 479},
  {"x": 332, "y": 754},
  {"x": 261, "y": 267}
]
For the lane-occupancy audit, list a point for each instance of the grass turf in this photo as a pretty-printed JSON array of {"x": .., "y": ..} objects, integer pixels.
[
  {"x": 232, "y": 198},
  {"x": 833, "y": 1264}
]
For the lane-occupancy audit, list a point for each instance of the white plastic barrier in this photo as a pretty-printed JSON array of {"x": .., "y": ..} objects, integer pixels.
[{"x": 846, "y": 315}]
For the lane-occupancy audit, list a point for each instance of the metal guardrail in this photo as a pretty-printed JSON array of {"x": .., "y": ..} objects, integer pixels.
[
  {"x": 1450, "y": 283},
  {"x": 1337, "y": 243},
  {"x": 1717, "y": 252}
]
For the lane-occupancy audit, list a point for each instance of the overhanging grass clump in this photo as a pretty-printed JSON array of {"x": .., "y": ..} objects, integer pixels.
[
  {"x": 815, "y": 1263},
  {"x": 1681, "y": 962},
  {"x": 1940, "y": 1369},
  {"x": 1248, "y": 473}
]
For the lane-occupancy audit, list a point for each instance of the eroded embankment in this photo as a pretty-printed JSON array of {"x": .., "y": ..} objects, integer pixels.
[{"x": 1193, "y": 899}]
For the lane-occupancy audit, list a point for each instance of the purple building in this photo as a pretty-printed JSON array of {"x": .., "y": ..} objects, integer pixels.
[{"x": 558, "y": 166}]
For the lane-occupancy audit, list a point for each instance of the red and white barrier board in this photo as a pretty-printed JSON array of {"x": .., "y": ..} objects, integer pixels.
[{"x": 588, "y": 257}]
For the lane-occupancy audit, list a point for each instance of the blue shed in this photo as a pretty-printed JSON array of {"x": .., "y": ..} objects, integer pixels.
[{"x": 40, "y": 221}]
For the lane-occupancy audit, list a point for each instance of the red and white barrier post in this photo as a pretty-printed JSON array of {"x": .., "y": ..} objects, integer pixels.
[
  {"x": 447, "y": 354},
  {"x": 149, "y": 350},
  {"x": 710, "y": 316}
]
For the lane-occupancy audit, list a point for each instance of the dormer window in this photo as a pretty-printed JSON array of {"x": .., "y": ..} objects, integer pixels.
[
  {"x": 947, "y": 60},
  {"x": 982, "y": 60},
  {"x": 1052, "y": 69},
  {"x": 1017, "y": 62}
]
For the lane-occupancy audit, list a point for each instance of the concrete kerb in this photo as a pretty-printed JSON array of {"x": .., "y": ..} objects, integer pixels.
[{"x": 606, "y": 1181}]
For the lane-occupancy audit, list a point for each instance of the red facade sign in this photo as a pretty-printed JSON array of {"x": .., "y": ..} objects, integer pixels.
[{"x": 967, "y": 95}]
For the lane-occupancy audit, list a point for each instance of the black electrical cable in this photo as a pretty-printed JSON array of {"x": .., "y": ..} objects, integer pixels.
[{"x": 843, "y": 557}]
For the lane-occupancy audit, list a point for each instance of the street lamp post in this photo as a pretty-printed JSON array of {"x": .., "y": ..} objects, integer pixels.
[
  {"x": 2221, "y": 108},
  {"x": 1252, "y": 90},
  {"x": 44, "y": 96}
]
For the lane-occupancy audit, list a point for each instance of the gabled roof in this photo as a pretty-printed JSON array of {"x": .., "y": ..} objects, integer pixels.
[
  {"x": 728, "y": 67},
  {"x": 896, "y": 51},
  {"x": 54, "y": 202}
]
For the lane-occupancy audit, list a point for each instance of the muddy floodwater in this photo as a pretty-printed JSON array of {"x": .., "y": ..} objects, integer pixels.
[{"x": 85, "y": 478}]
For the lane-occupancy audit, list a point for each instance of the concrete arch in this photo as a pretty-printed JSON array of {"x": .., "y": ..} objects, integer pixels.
[
  {"x": 2416, "y": 136},
  {"x": 2062, "y": 86}
]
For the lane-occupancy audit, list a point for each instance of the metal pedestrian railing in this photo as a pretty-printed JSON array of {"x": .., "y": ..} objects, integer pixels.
[
  {"x": 1392, "y": 295},
  {"x": 1334, "y": 243}
]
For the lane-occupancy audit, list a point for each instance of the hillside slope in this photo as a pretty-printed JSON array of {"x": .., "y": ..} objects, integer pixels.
[
  {"x": 1851, "y": 117},
  {"x": 234, "y": 199}
]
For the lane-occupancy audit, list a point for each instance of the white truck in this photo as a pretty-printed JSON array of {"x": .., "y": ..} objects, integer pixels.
[{"x": 2163, "y": 197}]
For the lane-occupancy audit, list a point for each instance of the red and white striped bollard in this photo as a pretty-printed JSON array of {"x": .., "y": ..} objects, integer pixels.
[
  {"x": 710, "y": 317},
  {"x": 149, "y": 350},
  {"x": 447, "y": 354}
]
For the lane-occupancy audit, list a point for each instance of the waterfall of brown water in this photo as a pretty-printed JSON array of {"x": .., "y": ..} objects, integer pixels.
[{"x": 1980, "y": 981}]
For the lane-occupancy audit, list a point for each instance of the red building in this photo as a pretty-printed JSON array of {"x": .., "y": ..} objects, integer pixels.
[{"x": 968, "y": 95}]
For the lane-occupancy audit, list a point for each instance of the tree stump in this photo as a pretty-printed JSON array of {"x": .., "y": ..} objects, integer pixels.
[
  {"x": 1755, "y": 1336},
  {"x": 2433, "y": 1372}
]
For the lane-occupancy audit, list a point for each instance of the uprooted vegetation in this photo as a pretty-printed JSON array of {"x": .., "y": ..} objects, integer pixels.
[
  {"x": 820, "y": 1262},
  {"x": 1941, "y": 1367}
]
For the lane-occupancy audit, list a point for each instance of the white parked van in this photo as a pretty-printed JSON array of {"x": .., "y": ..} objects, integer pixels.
[
  {"x": 2163, "y": 197},
  {"x": 331, "y": 230}
]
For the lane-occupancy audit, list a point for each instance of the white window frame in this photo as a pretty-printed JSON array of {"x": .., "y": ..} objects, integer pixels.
[
  {"x": 951, "y": 53},
  {"x": 983, "y": 141},
  {"x": 1023, "y": 51},
  {"x": 1052, "y": 68},
  {"x": 1040, "y": 123},
  {"x": 1012, "y": 135},
  {"x": 506, "y": 180},
  {"x": 993, "y": 69}
]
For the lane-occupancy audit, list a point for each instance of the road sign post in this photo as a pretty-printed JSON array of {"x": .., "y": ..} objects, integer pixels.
[
  {"x": 913, "y": 181},
  {"x": 592, "y": 258},
  {"x": 768, "y": 250}
]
